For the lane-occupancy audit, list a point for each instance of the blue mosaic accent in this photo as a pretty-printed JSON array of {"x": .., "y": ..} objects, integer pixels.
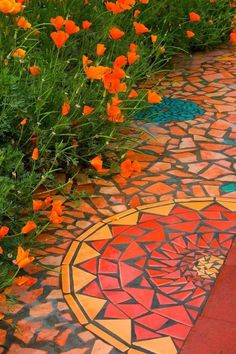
[
  {"x": 228, "y": 187},
  {"x": 170, "y": 109}
]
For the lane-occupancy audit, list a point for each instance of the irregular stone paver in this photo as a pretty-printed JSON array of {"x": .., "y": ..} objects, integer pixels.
[{"x": 212, "y": 75}]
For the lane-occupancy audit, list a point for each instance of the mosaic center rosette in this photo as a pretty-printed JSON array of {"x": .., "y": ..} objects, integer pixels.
[{"x": 139, "y": 279}]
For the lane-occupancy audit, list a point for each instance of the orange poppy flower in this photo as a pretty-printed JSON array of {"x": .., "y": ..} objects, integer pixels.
[
  {"x": 100, "y": 49},
  {"x": 23, "y": 121},
  {"x": 136, "y": 13},
  {"x": 133, "y": 94},
  {"x": 97, "y": 163},
  {"x": 59, "y": 38},
  {"x": 65, "y": 109},
  {"x": 232, "y": 38},
  {"x": 114, "y": 113},
  {"x": 35, "y": 154},
  {"x": 132, "y": 57},
  {"x": 153, "y": 38},
  {"x": 2, "y": 297},
  {"x": 34, "y": 70},
  {"x": 2, "y": 316},
  {"x": 57, "y": 22},
  {"x": 115, "y": 8},
  {"x": 48, "y": 201},
  {"x": 144, "y": 1},
  {"x": 153, "y": 97},
  {"x": 116, "y": 34},
  {"x": 23, "y": 258},
  {"x": 29, "y": 226},
  {"x": 190, "y": 34},
  {"x": 140, "y": 28},
  {"x": 18, "y": 7},
  {"x": 128, "y": 167},
  {"x": 19, "y": 53},
  {"x": 37, "y": 204},
  {"x": 55, "y": 218},
  {"x": 86, "y": 24},
  {"x": 58, "y": 207},
  {"x": 96, "y": 72},
  {"x": 23, "y": 23},
  {"x": 7, "y": 6},
  {"x": 24, "y": 280},
  {"x": 120, "y": 61},
  {"x": 70, "y": 27},
  {"x": 133, "y": 48},
  {"x": 4, "y": 231},
  {"x": 194, "y": 17},
  {"x": 86, "y": 60},
  {"x": 87, "y": 110}
]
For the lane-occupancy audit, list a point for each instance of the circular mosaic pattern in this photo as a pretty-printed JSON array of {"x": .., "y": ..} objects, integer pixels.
[
  {"x": 139, "y": 279},
  {"x": 170, "y": 109}
]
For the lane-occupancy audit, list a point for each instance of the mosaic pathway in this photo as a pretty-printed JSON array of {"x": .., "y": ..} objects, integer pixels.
[
  {"x": 139, "y": 279},
  {"x": 188, "y": 159}
]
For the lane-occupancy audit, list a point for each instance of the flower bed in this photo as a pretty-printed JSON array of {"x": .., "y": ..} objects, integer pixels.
[{"x": 68, "y": 73}]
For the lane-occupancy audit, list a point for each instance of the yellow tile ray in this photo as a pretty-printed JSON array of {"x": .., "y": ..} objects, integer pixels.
[
  {"x": 196, "y": 205},
  {"x": 70, "y": 252},
  {"x": 119, "y": 215},
  {"x": 153, "y": 205},
  {"x": 90, "y": 231},
  {"x": 91, "y": 305},
  {"x": 105, "y": 336},
  {"x": 85, "y": 253},
  {"x": 65, "y": 271},
  {"x": 75, "y": 308},
  {"x": 103, "y": 233},
  {"x": 161, "y": 210},
  {"x": 229, "y": 205},
  {"x": 121, "y": 328},
  {"x": 81, "y": 278},
  {"x": 131, "y": 219},
  {"x": 163, "y": 345}
]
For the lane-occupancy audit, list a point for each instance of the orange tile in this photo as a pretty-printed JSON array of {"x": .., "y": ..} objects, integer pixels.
[
  {"x": 85, "y": 253},
  {"x": 65, "y": 271},
  {"x": 81, "y": 278},
  {"x": 91, "y": 305},
  {"x": 103, "y": 233},
  {"x": 70, "y": 253},
  {"x": 163, "y": 345},
  {"x": 90, "y": 231},
  {"x": 121, "y": 328}
]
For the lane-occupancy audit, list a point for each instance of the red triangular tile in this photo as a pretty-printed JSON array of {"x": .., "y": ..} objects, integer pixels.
[
  {"x": 152, "y": 321},
  {"x": 205, "y": 229},
  {"x": 179, "y": 210},
  {"x": 141, "y": 333},
  {"x": 107, "y": 267},
  {"x": 180, "y": 242},
  {"x": 182, "y": 295},
  {"x": 111, "y": 253},
  {"x": 133, "y": 310},
  {"x": 202, "y": 243},
  {"x": 169, "y": 289},
  {"x": 122, "y": 240},
  {"x": 173, "y": 275},
  {"x": 193, "y": 313},
  {"x": 174, "y": 235},
  {"x": 142, "y": 296},
  {"x": 177, "y": 330},
  {"x": 113, "y": 312},
  {"x": 132, "y": 251},
  {"x": 164, "y": 300},
  {"x": 98, "y": 245},
  {"x": 93, "y": 290},
  {"x": 144, "y": 283},
  {"x": 198, "y": 292},
  {"x": 116, "y": 230},
  {"x": 189, "y": 226},
  {"x": 208, "y": 236},
  {"x": 90, "y": 265},
  {"x": 153, "y": 236},
  {"x": 220, "y": 224},
  {"x": 128, "y": 273},
  {"x": 196, "y": 302},
  {"x": 176, "y": 313},
  {"x": 117, "y": 296},
  {"x": 140, "y": 263}
]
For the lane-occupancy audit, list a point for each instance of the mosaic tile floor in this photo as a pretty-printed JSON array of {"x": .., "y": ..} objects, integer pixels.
[
  {"x": 139, "y": 279},
  {"x": 184, "y": 160}
]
